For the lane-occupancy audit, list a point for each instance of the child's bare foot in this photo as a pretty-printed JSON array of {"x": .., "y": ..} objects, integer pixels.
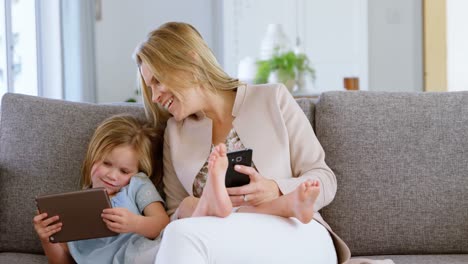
[
  {"x": 215, "y": 200},
  {"x": 303, "y": 199}
]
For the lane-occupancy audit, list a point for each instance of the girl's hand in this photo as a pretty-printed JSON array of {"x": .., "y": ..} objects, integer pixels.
[
  {"x": 44, "y": 227},
  {"x": 120, "y": 220},
  {"x": 259, "y": 190}
]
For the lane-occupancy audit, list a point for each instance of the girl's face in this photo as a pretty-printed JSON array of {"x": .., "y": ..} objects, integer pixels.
[
  {"x": 115, "y": 169},
  {"x": 163, "y": 96}
]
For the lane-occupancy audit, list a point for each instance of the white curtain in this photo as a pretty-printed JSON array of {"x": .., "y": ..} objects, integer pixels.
[{"x": 78, "y": 21}]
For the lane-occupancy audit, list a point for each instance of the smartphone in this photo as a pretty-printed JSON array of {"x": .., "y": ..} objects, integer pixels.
[{"x": 240, "y": 157}]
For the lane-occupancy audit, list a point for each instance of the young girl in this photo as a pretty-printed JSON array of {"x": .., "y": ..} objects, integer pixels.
[{"x": 119, "y": 158}]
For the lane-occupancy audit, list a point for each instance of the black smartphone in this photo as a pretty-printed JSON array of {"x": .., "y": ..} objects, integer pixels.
[{"x": 240, "y": 157}]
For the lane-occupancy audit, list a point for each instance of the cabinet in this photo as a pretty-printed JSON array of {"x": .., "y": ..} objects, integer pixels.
[
  {"x": 379, "y": 42},
  {"x": 332, "y": 33}
]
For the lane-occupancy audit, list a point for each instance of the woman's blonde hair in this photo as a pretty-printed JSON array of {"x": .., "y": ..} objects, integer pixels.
[
  {"x": 121, "y": 130},
  {"x": 178, "y": 57}
]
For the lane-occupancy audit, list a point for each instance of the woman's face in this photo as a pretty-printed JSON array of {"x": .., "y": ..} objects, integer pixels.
[{"x": 160, "y": 94}]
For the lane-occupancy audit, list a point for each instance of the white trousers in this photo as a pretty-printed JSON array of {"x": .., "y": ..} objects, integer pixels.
[{"x": 245, "y": 238}]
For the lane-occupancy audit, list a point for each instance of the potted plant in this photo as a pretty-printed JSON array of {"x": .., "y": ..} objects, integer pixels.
[
  {"x": 288, "y": 68},
  {"x": 135, "y": 99}
]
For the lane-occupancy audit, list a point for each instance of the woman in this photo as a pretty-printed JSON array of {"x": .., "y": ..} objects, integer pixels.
[{"x": 180, "y": 76}]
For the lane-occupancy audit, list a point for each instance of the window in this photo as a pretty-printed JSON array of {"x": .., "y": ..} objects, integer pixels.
[
  {"x": 30, "y": 53},
  {"x": 19, "y": 44},
  {"x": 3, "y": 60}
]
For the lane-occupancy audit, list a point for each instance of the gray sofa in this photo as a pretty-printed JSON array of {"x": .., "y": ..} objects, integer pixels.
[{"x": 400, "y": 161}]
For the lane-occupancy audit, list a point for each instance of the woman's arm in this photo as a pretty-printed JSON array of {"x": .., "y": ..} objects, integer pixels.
[
  {"x": 306, "y": 153},
  {"x": 175, "y": 192},
  {"x": 306, "y": 157}
]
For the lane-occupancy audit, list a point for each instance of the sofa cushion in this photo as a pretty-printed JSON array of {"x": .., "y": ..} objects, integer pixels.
[
  {"x": 423, "y": 259},
  {"x": 42, "y": 146},
  {"x": 21, "y": 258},
  {"x": 400, "y": 163}
]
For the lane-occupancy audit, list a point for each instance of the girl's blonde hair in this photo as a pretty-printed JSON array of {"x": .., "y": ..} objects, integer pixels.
[
  {"x": 121, "y": 130},
  {"x": 178, "y": 57}
]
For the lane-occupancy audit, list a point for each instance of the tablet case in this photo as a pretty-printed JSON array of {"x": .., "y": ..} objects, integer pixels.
[{"x": 80, "y": 213}]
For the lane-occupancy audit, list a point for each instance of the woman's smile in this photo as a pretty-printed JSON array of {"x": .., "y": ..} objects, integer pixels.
[{"x": 168, "y": 103}]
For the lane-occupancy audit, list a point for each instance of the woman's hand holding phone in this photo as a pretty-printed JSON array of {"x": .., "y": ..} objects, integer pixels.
[
  {"x": 239, "y": 157},
  {"x": 259, "y": 190}
]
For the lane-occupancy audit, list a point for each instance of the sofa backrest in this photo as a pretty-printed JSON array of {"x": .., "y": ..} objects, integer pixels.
[
  {"x": 42, "y": 147},
  {"x": 399, "y": 161},
  {"x": 401, "y": 164},
  {"x": 308, "y": 106}
]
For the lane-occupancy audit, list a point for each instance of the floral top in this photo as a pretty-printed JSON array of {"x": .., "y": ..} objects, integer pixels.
[{"x": 233, "y": 143}]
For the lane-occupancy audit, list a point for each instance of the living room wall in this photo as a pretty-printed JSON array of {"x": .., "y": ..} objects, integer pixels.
[
  {"x": 123, "y": 25},
  {"x": 395, "y": 45},
  {"x": 393, "y": 32}
]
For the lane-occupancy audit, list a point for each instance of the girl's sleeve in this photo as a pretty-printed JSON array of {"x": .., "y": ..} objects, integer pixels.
[{"x": 145, "y": 192}]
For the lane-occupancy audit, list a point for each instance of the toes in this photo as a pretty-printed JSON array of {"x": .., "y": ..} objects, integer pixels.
[
  {"x": 215, "y": 153},
  {"x": 308, "y": 184},
  {"x": 308, "y": 192},
  {"x": 311, "y": 187},
  {"x": 212, "y": 155},
  {"x": 303, "y": 187},
  {"x": 211, "y": 162},
  {"x": 312, "y": 183},
  {"x": 222, "y": 150}
]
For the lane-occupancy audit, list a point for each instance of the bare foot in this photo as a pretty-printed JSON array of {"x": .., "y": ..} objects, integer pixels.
[
  {"x": 215, "y": 200},
  {"x": 302, "y": 200}
]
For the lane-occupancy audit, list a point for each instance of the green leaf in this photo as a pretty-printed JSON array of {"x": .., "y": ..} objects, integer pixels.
[
  {"x": 287, "y": 65},
  {"x": 263, "y": 70}
]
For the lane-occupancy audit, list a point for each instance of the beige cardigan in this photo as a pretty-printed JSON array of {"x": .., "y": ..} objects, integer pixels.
[{"x": 267, "y": 120}]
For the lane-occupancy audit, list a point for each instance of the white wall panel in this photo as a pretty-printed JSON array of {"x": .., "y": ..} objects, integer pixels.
[
  {"x": 457, "y": 43},
  {"x": 333, "y": 35},
  {"x": 124, "y": 24}
]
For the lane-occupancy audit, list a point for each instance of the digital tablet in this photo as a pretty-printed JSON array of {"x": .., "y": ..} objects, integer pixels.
[{"x": 79, "y": 212}]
